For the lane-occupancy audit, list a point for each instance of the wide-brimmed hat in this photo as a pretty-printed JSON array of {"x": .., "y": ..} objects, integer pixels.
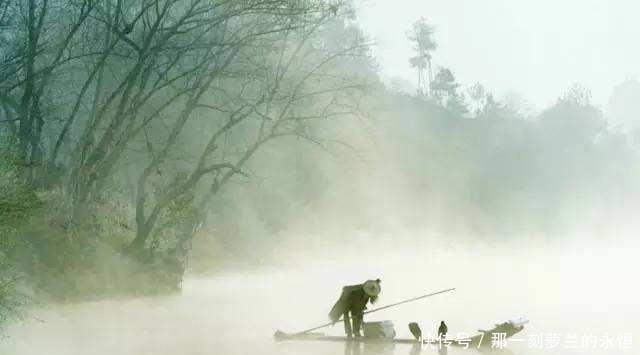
[{"x": 371, "y": 288}]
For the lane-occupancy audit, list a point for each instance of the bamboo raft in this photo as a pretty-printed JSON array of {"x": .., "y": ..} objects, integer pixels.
[{"x": 482, "y": 338}]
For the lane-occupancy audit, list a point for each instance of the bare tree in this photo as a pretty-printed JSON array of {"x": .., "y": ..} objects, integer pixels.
[
  {"x": 33, "y": 47},
  {"x": 421, "y": 35},
  {"x": 270, "y": 95},
  {"x": 153, "y": 81},
  {"x": 173, "y": 50}
]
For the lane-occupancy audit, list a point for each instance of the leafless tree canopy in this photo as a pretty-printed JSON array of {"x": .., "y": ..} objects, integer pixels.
[{"x": 180, "y": 94}]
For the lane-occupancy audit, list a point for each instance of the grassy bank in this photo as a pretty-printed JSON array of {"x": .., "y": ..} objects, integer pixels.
[{"x": 47, "y": 258}]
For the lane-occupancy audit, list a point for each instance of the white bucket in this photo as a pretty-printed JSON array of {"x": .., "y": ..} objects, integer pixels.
[{"x": 379, "y": 330}]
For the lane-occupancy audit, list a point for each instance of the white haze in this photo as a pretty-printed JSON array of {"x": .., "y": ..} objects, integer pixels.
[
  {"x": 403, "y": 214},
  {"x": 534, "y": 48},
  {"x": 585, "y": 290}
]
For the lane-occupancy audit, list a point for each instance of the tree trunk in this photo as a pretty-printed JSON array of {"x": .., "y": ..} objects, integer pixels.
[
  {"x": 26, "y": 120},
  {"x": 31, "y": 122}
]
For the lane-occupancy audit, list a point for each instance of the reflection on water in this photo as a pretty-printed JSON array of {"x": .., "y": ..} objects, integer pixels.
[
  {"x": 356, "y": 348},
  {"x": 237, "y": 313}
]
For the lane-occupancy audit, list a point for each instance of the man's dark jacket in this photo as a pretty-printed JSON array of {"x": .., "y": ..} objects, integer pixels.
[{"x": 353, "y": 299}]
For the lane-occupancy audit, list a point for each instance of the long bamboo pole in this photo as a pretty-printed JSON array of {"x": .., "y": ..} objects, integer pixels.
[{"x": 378, "y": 309}]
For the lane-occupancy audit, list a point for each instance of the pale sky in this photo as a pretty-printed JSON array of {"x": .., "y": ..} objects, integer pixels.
[{"x": 537, "y": 48}]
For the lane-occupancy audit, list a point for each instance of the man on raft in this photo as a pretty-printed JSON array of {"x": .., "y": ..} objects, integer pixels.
[{"x": 352, "y": 304}]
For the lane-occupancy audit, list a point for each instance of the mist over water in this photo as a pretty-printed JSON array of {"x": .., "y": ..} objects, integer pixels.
[
  {"x": 585, "y": 290},
  {"x": 254, "y": 157}
]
